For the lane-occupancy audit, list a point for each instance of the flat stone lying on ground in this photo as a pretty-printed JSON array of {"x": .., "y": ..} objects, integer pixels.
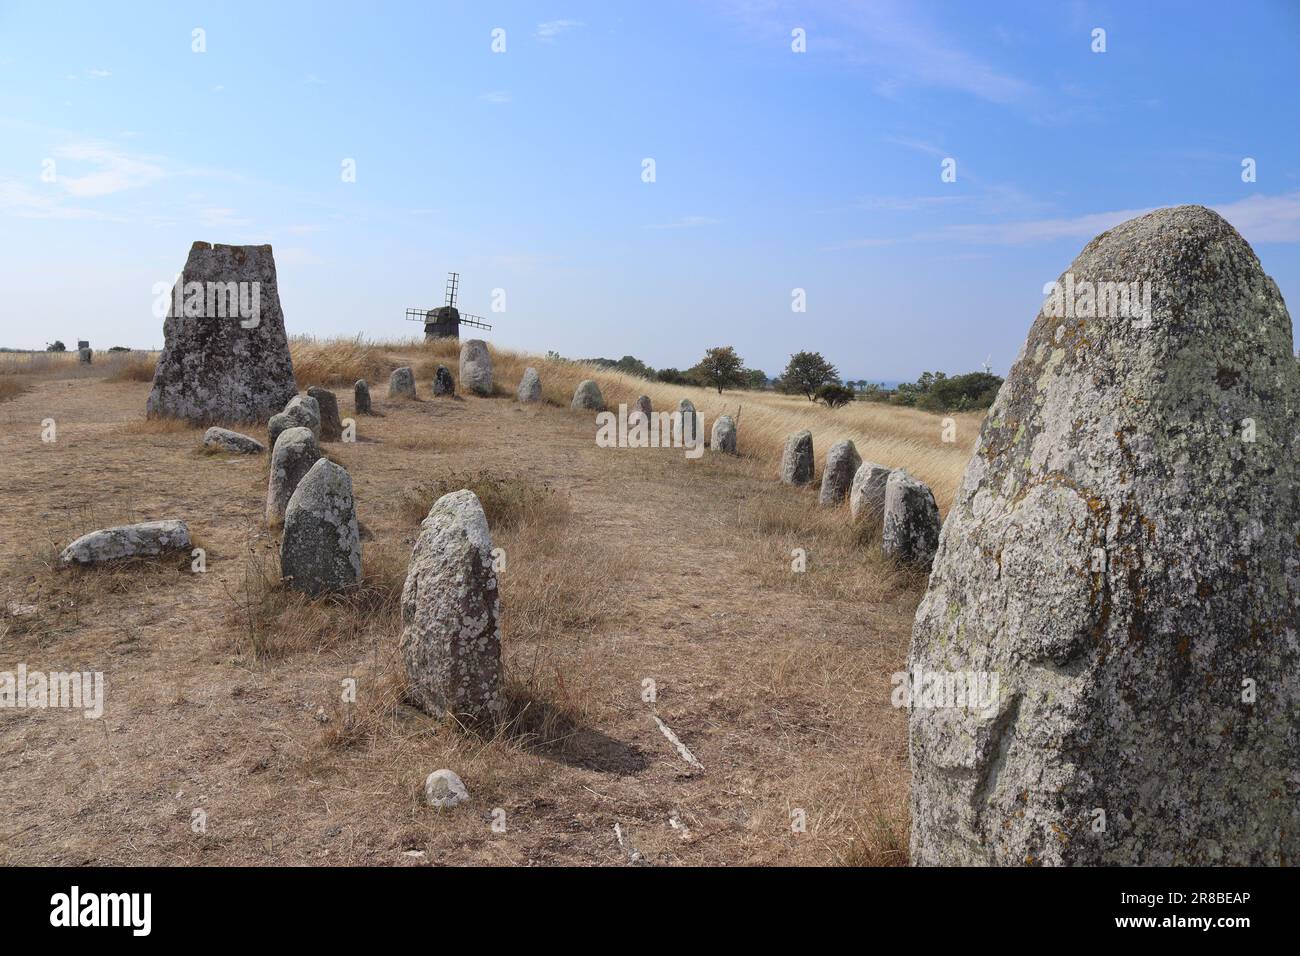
[
  {"x": 443, "y": 383},
  {"x": 530, "y": 386},
  {"x": 146, "y": 539},
  {"x": 723, "y": 438},
  {"x": 331, "y": 425},
  {"x": 867, "y": 493},
  {"x": 223, "y": 439},
  {"x": 911, "y": 520},
  {"x": 476, "y": 367},
  {"x": 797, "y": 459},
  {"x": 451, "y": 638},
  {"x": 361, "y": 397},
  {"x": 1121, "y": 554},
  {"x": 401, "y": 383},
  {"x": 217, "y": 364},
  {"x": 842, "y": 463},
  {"x": 295, "y": 451},
  {"x": 444, "y": 789},
  {"x": 321, "y": 548},
  {"x": 587, "y": 397}
]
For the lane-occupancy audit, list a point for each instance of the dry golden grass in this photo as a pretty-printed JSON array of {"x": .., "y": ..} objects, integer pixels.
[
  {"x": 508, "y": 501},
  {"x": 338, "y": 361},
  {"x": 11, "y": 386},
  {"x": 138, "y": 367}
]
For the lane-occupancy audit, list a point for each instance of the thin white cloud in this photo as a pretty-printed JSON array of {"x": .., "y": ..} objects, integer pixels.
[
  {"x": 548, "y": 31},
  {"x": 114, "y": 171},
  {"x": 495, "y": 96},
  {"x": 20, "y": 200},
  {"x": 99, "y": 74}
]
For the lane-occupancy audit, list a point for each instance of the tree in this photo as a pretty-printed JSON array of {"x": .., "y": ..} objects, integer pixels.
[
  {"x": 833, "y": 395},
  {"x": 755, "y": 378},
  {"x": 56, "y": 346},
  {"x": 806, "y": 373},
  {"x": 672, "y": 376},
  {"x": 720, "y": 368}
]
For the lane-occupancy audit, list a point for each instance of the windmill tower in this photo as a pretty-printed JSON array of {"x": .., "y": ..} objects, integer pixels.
[{"x": 445, "y": 322}]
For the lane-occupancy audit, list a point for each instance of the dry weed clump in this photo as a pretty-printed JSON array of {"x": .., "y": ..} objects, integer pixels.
[
  {"x": 11, "y": 386},
  {"x": 507, "y": 502},
  {"x": 339, "y": 361},
  {"x": 135, "y": 367}
]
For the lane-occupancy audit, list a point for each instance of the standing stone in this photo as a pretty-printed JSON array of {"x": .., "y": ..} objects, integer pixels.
[
  {"x": 867, "y": 493},
  {"x": 225, "y": 356},
  {"x": 303, "y": 411},
  {"x": 797, "y": 459},
  {"x": 223, "y": 439},
  {"x": 361, "y": 397},
  {"x": 587, "y": 397},
  {"x": 451, "y": 642},
  {"x": 321, "y": 548},
  {"x": 911, "y": 521},
  {"x": 530, "y": 386},
  {"x": 1122, "y": 555},
  {"x": 401, "y": 384},
  {"x": 724, "y": 435},
  {"x": 143, "y": 540},
  {"x": 690, "y": 423},
  {"x": 84, "y": 355},
  {"x": 292, "y": 456},
  {"x": 842, "y": 463},
  {"x": 644, "y": 407},
  {"x": 476, "y": 367},
  {"x": 331, "y": 426},
  {"x": 443, "y": 383}
]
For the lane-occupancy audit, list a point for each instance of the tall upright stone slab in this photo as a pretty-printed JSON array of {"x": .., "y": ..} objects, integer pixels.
[
  {"x": 476, "y": 367},
  {"x": 842, "y": 463},
  {"x": 1122, "y": 556},
  {"x": 225, "y": 355},
  {"x": 321, "y": 548},
  {"x": 797, "y": 459},
  {"x": 451, "y": 641}
]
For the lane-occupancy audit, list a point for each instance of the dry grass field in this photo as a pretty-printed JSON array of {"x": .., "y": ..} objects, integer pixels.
[{"x": 627, "y": 570}]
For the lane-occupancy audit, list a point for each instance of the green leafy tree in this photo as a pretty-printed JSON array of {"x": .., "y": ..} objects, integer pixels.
[
  {"x": 720, "y": 368},
  {"x": 755, "y": 379},
  {"x": 806, "y": 373},
  {"x": 56, "y": 346},
  {"x": 833, "y": 395}
]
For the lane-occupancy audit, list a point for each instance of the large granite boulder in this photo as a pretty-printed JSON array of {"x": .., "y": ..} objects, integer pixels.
[
  {"x": 797, "y": 459},
  {"x": 723, "y": 438},
  {"x": 225, "y": 356},
  {"x": 530, "y": 386},
  {"x": 146, "y": 539},
  {"x": 293, "y": 455},
  {"x": 867, "y": 493},
  {"x": 1122, "y": 555},
  {"x": 321, "y": 548},
  {"x": 476, "y": 367},
  {"x": 331, "y": 425},
  {"x": 451, "y": 642},
  {"x": 223, "y": 439},
  {"x": 911, "y": 521},
  {"x": 842, "y": 463},
  {"x": 587, "y": 397}
]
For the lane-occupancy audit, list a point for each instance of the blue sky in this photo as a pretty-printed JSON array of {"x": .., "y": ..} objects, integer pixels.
[{"x": 774, "y": 170}]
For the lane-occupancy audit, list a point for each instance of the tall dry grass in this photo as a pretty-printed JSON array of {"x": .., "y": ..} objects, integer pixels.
[
  {"x": 339, "y": 361},
  {"x": 890, "y": 435}
]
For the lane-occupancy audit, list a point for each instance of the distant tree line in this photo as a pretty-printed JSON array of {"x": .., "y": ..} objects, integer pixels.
[{"x": 809, "y": 374}]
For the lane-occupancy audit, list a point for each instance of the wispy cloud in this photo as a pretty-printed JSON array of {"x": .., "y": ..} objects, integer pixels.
[
  {"x": 495, "y": 96},
  {"x": 548, "y": 31},
  {"x": 113, "y": 170}
]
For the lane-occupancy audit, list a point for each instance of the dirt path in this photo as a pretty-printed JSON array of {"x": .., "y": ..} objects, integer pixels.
[{"x": 783, "y": 698}]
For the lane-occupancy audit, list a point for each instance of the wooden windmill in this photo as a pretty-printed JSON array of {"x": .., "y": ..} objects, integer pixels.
[{"x": 445, "y": 322}]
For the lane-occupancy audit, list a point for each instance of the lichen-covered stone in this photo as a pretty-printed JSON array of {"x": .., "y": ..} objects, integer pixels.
[
  {"x": 321, "y": 548},
  {"x": 331, "y": 425},
  {"x": 293, "y": 455},
  {"x": 867, "y": 493},
  {"x": 443, "y": 383},
  {"x": 223, "y": 439},
  {"x": 219, "y": 366},
  {"x": 451, "y": 641},
  {"x": 444, "y": 789},
  {"x": 361, "y": 397},
  {"x": 842, "y": 463},
  {"x": 476, "y": 367},
  {"x": 145, "y": 539},
  {"x": 911, "y": 521},
  {"x": 1122, "y": 554},
  {"x": 401, "y": 383},
  {"x": 797, "y": 459},
  {"x": 687, "y": 423},
  {"x": 530, "y": 386},
  {"x": 587, "y": 397},
  {"x": 643, "y": 406},
  {"x": 723, "y": 438},
  {"x": 302, "y": 411}
]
